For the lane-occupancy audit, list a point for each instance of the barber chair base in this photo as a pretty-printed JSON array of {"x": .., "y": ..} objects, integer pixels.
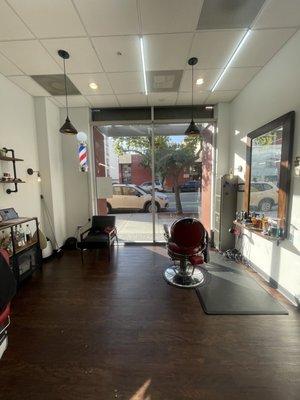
[{"x": 174, "y": 276}]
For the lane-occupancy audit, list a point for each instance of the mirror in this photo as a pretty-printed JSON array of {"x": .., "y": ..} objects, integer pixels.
[
  {"x": 265, "y": 173},
  {"x": 269, "y": 158}
]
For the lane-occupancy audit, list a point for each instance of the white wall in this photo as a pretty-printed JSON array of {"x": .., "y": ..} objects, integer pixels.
[
  {"x": 272, "y": 93},
  {"x": 18, "y": 131},
  {"x": 78, "y": 195},
  {"x": 51, "y": 168}
]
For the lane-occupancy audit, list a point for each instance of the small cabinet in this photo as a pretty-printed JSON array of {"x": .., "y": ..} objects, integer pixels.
[{"x": 27, "y": 258}]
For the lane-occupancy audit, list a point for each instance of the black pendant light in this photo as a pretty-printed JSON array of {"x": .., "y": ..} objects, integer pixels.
[
  {"x": 67, "y": 128},
  {"x": 192, "y": 128}
]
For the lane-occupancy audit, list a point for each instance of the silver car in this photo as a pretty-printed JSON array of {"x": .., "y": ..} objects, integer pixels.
[
  {"x": 148, "y": 186},
  {"x": 132, "y": 197}
]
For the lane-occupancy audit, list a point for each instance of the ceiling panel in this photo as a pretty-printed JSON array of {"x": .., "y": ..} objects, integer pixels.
[
  {"x": 164, "y": 81},
  {"x": 260, "y": 47},
  {"x": 73, "y": 101},
  {"x": 229, "y": 14},
  {"x": 109, "y": 17},
  {"x": 221, "y": 96},
  {"x": 132, "y": 100},
  {"x": 29, "y": 85},
  {"x": 103, "y": 101},
  {"x": 169, "y": 16},
  {"x": 109, "y": 47},
  {"x": 279, "y": 13},
  {"x": 185, "y": 98},
  {"x": 83, "y": 57},
  {"x": 30, "y": 57},
  {"x": 126, "y": 82},
  {"x": 208, "y": 75},
  {"x": 162, "y": 99},
  {"x": 237, "y": 78},
  {"x": 7, "y": 67},
  {"x": 49, "y": 18},
  {"x": 214, "y": 48},
  {"x": 11, "y": 27},
  {"x": 55, "y": 84},
  {"x": 82, "y": 81},
  {"x": 167, "y": 51}
]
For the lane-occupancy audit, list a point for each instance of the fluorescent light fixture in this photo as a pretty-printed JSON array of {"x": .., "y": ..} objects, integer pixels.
[
  {"x": 143, "y": 63},
  {"x": 200, "y": 81},
  {"x": 245, "y": 37},
  {"x": 93, "y": 85},
  {"x": 209, "y": 107}
]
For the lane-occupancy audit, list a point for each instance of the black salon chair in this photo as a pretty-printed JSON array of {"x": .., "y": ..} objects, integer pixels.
[{"x": 102, "y": 234}]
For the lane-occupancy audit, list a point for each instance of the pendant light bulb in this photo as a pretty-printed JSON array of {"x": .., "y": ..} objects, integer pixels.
[
  {"x": 67, "y": 128},
  {"x": 192, "y": 128}
]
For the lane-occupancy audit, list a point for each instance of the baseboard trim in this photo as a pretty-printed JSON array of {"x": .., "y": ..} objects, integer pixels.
[{"x": 274, "y": 284}]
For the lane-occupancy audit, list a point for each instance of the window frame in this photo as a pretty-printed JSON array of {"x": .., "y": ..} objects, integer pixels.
[{"x": 287, "y": 121}]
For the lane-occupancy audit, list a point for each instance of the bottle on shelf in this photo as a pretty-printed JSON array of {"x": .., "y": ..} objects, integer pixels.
[
  {"x": 28, "y": 234},
  {"x": 22, "y": 236}
]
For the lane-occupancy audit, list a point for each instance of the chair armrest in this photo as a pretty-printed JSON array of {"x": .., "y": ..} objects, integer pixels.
[
  {"x": 110, "y": 230},
  {"x": 83, "y": 233}
]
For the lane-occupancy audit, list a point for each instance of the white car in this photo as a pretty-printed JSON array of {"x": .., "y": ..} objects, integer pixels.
[
  {"x": 132, "y": 197},
  {"x": 263, "y": 196},
  {"x": 148, "y": 186}
]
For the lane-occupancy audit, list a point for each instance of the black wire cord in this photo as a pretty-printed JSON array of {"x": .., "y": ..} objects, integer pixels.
[{"x": 66, "y": 91}]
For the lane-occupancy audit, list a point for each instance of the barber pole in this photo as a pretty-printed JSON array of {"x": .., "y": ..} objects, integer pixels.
[{"x": 82, "y": 153}]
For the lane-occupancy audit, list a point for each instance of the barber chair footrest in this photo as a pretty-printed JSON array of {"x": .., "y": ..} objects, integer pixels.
[{"x": 174, "y": 276}]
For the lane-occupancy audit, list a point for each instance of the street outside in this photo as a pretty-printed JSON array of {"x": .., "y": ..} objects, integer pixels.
[{"x": 137, "y": 226}]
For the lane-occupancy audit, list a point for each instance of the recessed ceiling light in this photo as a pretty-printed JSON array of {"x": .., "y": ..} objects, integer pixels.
[
  {"x": 200, "y": 81},
  {"x": 93, "y": 85}
]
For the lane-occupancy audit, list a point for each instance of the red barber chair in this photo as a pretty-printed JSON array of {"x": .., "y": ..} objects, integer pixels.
[{"x": 187, "y": 245}]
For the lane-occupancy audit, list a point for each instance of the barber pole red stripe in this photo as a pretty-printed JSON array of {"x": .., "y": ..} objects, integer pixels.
[{"x": 82, "y": 152}]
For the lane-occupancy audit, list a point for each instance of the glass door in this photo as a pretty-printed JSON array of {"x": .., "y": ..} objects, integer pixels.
[
  {"x": 156, "y": 173},
  {"x": 127, "y": 161},
  {"x": 178, "y": 171}
]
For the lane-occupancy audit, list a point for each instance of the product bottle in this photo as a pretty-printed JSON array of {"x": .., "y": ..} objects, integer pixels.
[
  {"x": 28, "y": 233},
  {"x": 22, "y": 236}
]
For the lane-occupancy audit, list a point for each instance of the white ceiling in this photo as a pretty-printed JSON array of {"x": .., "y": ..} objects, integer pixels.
[{"x": 96, "y": 31}]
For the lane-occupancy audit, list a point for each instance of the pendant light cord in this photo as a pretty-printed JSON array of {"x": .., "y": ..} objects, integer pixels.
[
  {"x": 66, "y": 92},
  {"x": 192, "y": 92}
]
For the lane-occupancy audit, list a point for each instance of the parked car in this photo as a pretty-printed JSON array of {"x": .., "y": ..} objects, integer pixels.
[
  {"x": 132, "y": 197},
  {"x": 189, "y": 186},
  {"x": 147, "y": 186},
  {"x": 263, "y": 196}
]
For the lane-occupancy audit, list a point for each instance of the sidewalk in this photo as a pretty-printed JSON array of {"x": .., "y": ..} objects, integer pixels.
[{"x": 137, "y": 227}]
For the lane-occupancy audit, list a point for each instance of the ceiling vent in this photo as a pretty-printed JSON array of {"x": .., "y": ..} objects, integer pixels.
[
  {"x": 55, "y": 84},
  {"x": 228, "y": 14},
  {"x": 164, "y": 81}
]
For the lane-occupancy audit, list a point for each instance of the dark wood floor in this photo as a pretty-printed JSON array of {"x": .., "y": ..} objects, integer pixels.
[{"x": 118, "y": 331}]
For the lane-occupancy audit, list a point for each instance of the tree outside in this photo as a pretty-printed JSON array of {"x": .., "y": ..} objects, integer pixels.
[{"x": 171, "y": 157}]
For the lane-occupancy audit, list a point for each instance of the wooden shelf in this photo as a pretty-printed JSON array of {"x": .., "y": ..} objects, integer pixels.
[
  {"x": 14, "y": 222},
  {"x": 257, "y": 232},
  {"x": 5, "y": 158},
  {"x": 11, "y": 181},
  {"x": 26, "y": 246}
]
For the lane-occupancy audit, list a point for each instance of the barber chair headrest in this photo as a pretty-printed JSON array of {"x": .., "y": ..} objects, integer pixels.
[{"x": 188, "y": 232}]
